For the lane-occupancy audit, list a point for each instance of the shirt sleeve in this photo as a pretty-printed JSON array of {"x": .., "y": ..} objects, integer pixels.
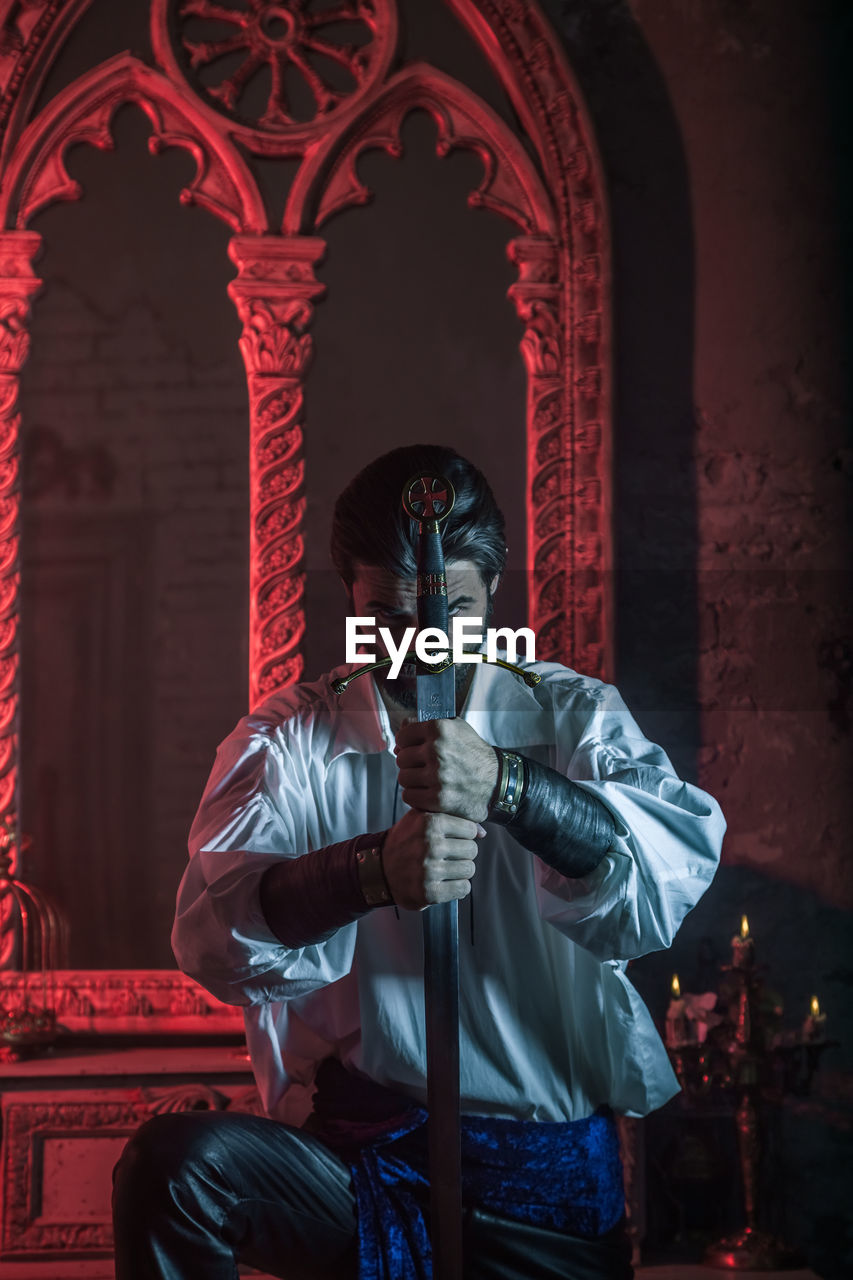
[
  {"x": 253, "y": 813},
  {"x": 667, "y": 840}
]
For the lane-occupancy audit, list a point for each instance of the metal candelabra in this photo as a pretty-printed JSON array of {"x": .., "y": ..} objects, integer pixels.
[{"x": 743, "y": 1054}]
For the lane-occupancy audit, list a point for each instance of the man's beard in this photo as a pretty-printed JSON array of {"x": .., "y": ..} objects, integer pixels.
[{"x": 404, "y": 690}]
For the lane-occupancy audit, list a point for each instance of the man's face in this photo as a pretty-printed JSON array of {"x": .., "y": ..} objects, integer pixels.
[{"x": 392, "y": 601}]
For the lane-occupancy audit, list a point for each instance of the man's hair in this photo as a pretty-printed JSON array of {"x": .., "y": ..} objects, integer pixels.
[{"x": 369, "y": 525}]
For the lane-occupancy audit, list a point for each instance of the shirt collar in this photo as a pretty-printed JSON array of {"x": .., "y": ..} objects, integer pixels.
[
  {"x": 500, "y": 707},
  {"x": 505, "y": 711},
  {"x": 359, "y": 719}
]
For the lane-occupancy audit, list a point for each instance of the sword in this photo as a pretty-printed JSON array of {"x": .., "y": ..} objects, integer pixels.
[{"x": 428, "y": 499}]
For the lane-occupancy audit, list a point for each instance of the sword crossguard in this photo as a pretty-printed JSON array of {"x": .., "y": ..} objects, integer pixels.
[
  {"x": 428, "y": 498},
  {"x": 339, "y": 685}
]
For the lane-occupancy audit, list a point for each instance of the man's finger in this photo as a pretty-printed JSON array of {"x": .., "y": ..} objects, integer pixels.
[
  {"x": 415, "y": 777},
  {"x": 411, "y": 734},
  {"x": 411, "y": 758},
  {"x": 447, "y": 824},
  {"x": 415, "y": 733},
  {"x": 437, "y": 891},
  {"x": 449, "y": 868},
  {"x": 455, "y": 853},
  {"x": 421, "y": 798}
]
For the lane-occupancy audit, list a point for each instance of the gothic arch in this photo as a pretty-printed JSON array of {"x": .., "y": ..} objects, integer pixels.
[
  {"x": 328, "y": 182},
  {"x": 555, "y": 198},
  {"x": 36, "y": 175}
]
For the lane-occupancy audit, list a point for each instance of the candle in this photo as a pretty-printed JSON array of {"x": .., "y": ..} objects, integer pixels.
[
  {"x": 676, "y": 1018},
  {"x": 814, "y": 1027},
  {"x": 743, "y": 947}
]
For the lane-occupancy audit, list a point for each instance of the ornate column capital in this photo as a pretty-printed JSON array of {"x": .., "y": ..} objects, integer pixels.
[
  {"x": 19, "y": 284},
  {"x": 283, "y": 263},
  {"x": 537, "y": 259},
  {"x": 274, "y": 293},
  {"x": 537, "y": 300}
]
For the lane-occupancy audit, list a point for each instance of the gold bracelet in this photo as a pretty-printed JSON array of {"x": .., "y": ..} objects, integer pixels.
[{"x": 371, "y": 877}]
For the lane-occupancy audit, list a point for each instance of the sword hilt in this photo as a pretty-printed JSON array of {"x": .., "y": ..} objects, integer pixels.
[{"x": 429, "y": 499}]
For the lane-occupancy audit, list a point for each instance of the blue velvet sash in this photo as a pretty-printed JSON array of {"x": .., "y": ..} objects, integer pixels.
[{"x": 565, "y": 1176}]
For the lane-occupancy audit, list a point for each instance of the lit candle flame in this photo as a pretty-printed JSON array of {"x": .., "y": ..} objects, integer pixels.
[
  {"x": 815, "y": 1007},
  {"x": 744, "y": 927},
  {"x": 676, "y": 985}
]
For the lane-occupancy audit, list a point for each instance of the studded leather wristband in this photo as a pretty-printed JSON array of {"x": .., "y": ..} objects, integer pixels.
[
  {"x": 371, "y": 875},
  {"x": 551, "y": 815},
  {"x": 305, "y": 900},
  {"x": 509, "y": 788}
]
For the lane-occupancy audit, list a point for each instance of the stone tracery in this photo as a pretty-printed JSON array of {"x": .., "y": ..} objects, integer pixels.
[{"x": 281, "y": 38}]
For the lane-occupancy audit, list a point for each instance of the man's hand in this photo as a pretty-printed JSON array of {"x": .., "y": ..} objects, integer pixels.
[
  {"x": 445, "y": 767},
  {"x": 429, "y": 857}
]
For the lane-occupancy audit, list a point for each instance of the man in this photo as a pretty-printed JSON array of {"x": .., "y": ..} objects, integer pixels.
[{"x": 328, "y": 823}]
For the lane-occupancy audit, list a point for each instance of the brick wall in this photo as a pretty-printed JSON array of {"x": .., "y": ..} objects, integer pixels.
[{"x": 722, "y": 136}]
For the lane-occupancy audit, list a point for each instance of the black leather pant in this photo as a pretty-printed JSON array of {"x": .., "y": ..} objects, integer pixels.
[{"x": 199, "y": 1191}]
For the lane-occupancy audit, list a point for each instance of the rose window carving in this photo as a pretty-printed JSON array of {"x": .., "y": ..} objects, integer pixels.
[{"x": 278, "y": 69}]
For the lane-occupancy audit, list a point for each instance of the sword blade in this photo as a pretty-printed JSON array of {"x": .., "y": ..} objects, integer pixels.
[
  {"x": 441, "y": 993},
  {"x": 437, "y": 695},
  {"x": 437, "y": 700}
]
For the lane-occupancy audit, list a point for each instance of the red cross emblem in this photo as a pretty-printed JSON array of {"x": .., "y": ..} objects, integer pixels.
[{"x": 428, "y": 497}]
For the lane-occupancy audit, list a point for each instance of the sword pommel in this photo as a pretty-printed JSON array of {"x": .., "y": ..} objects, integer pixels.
[{"x": 428, "y": 498}]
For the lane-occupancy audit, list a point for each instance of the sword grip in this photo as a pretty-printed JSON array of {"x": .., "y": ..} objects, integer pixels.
[{"x": 432, "y": 579}]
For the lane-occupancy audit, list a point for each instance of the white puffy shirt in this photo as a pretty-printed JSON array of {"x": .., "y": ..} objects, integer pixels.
[{"x": 550, "y": 1026}]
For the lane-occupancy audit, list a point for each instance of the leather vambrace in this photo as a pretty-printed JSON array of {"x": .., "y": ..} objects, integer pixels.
[
  {"x": 550, "y": 815},
  {"x": 307, "y": 899}
]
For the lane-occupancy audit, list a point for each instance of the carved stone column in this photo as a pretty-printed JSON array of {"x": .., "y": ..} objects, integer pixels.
[
  {"x": 18, "y": 285},
  {"x": 550, "y": 535},
  {"x": 274, "y": 295}
]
